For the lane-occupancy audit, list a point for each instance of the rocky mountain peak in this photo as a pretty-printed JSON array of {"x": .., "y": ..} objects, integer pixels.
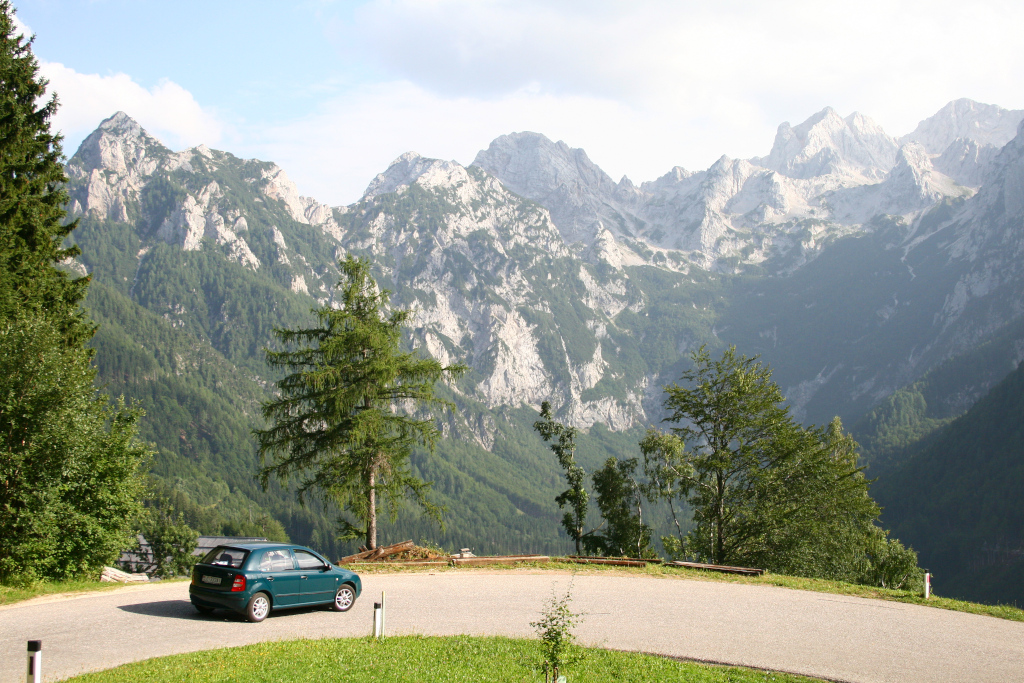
[
  {"x": 118, "y": 143},
  {"x": 827, "y": 144},
  {"x": 575, "y": 190},
  {"x": 984, "y": 124},
  {"x": 412, "y": 168}
]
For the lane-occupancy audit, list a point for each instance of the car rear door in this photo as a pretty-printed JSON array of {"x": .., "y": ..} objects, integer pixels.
[
  {"x": 318, "y": 585},
  {"x": 217, "y": 571},
  {"x": 279, "y": 570}
]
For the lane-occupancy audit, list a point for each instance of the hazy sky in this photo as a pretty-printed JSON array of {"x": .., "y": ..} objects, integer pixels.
[{"x": 334, "y": 91}]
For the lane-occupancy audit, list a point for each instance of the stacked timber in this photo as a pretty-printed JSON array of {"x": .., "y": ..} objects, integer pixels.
[
  {"x": 112, "y": 575},
  {"x": 746, "y": 571}
]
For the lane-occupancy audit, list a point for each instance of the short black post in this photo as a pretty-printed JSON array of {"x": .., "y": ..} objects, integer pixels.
[{"x": 35, "y": 662}]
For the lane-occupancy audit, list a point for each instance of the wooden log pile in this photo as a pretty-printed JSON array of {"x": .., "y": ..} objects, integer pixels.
[
  {"x": 112, "y": 575},
  {"x": 612, "y": 561},
  {"x": 378, "y": 553},
  {"x": 746, "y": 571},
  {"x": 496, "y": 559}
]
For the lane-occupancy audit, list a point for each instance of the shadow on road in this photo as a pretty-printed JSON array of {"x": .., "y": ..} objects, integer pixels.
[
  {"x": 173, "y": 609},
  {"x": 183, "y": 609}
]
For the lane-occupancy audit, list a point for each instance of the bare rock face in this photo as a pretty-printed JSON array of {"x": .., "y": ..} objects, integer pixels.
[
  {"x": 983, "y": 124},
  {"x": 966, "y": 161},
  {"x": 565, "y": 181},
  {"x": 827, "y": 144}
]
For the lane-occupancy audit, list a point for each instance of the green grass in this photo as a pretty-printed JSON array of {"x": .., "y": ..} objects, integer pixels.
[
  {"x": 12, "y": 594},
  {"x": 416, "y": 659},
  {"x": 799, "y": 583}
]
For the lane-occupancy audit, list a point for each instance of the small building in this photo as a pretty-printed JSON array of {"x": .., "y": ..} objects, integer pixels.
[{"x": 141, "y": 559}]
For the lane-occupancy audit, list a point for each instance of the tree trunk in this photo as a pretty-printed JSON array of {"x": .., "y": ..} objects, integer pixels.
[
  {"x": 720, "y": 515},
  {"x": 371, "y": 522}
]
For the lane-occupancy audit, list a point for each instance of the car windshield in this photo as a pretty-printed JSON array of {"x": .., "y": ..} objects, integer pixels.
[{"x": 226, "y": 557}]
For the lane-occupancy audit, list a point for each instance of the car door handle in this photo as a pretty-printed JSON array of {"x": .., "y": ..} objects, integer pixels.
[
  {"x": 270, "y": 578},
  {"x": 302, "y": 577}
]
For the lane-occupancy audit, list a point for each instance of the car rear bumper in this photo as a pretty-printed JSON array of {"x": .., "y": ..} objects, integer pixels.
[{"x": 212, "y": 598}]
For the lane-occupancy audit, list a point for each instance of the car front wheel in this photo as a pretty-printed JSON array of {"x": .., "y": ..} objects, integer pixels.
[
  {"x": 258, "y": 608},
  {"x": 344, "y": 599}
]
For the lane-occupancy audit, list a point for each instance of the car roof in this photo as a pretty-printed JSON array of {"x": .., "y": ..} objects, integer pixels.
[{"x": 260, "y": 545}]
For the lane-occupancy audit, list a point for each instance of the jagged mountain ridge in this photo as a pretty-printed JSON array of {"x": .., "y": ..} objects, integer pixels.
[{"x": 222, "y": 250}]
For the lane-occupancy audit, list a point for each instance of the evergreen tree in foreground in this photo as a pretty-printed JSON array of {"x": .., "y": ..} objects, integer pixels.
[
  {"x": 70, "y": 463},
  {"x": 32, "y": 197},
  {"x": 343, "y": 419}
]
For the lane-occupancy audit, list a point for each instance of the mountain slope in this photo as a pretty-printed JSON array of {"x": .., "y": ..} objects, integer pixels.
[{"x": 957, "y": 500}]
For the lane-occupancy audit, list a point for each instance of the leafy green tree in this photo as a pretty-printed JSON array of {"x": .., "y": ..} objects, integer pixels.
[
  {"x": 564, "y": 448},
  {"x": 620, "y": 499},
  {"x": 343, "y": 419},
  {"x": 763, "y": 490},
  {"x": 172, "y": 541},
  {"x": 71, "y": 467},
  {"x": 32, "y": 196}
]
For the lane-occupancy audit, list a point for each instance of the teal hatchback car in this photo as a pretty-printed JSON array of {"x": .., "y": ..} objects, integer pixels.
[{"x": 255, "y": 578}]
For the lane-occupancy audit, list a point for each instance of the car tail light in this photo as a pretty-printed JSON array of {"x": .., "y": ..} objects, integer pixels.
[{"x": 238, "y": 584}]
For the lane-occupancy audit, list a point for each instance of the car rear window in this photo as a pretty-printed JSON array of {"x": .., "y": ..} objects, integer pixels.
[{"x": 226, "y": 557}]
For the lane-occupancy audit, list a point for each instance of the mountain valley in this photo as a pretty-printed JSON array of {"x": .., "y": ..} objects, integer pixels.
[{"x": 880, "y": 278}]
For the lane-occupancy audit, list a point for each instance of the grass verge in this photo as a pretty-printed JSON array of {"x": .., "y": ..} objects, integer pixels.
[
  {"x": 799, "y": 583},
  {"x": 414, "y": 659},
  {"x": 12, "y": 594}
]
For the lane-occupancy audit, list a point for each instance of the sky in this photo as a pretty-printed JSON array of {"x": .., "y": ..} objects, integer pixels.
[{"x": 333, "y": 91}]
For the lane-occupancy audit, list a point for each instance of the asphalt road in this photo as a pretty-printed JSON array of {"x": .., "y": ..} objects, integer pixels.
[{"x": 833, "y": 637}]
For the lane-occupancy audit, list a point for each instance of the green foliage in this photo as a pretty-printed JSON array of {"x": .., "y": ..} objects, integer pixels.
[
  {"x": 172, "y": 541},
  {"x": 957, "y": 499},
  {"x": 71, "y": 466},
  {"x": 619, "y": 497},
  {"x": 32, "y": 195},
  {"x": 337, "y": 420},
  {"x": 564, "y": 449},
  {"x": 765, "y": 491},
  {"x": 554, "y": 628}
]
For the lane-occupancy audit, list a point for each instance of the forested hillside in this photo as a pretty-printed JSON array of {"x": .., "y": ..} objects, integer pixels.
[
  {"x": 957, "y": 499},
  {"x": 197, "y": 255}
]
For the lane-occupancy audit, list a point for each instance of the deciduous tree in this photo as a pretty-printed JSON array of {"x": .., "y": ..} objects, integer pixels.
[{"x": 563, "y": 445}]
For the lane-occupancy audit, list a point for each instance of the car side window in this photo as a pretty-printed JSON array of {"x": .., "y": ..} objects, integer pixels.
[
  {"x": 308, "y": 560},
  {"x": 276, "y": 561}
]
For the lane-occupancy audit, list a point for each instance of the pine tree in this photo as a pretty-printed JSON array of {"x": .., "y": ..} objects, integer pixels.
[
  {"x": 341, "y": 418},
  {"x": 70, "y": 462},
  {"x": 32, "y": 196}
]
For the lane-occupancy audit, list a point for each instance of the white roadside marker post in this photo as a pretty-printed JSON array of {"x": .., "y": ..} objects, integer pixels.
[
  {"x": 376, "y": 620},
  {"x": 383, "y": 616},
  {"x": 927, "y": 585},
  {"x": 35, "y": 662}
]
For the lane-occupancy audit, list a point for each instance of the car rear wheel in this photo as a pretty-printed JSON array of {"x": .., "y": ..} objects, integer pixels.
[
  {"x": 258, "y": 608},
  {"x": 344, "y": 599}
]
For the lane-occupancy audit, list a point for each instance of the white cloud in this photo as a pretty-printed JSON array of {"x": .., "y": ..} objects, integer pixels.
[
  {"x": 332, "y": 154},
  {"x": 895, "y": 61},
  {"x": 167, "y": 110}
]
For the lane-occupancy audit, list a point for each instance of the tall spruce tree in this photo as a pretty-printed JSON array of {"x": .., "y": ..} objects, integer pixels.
[
  {"x": 70, "y": 463},
  {"x": 343, "y": 419},
  {"x": 32, "y": 196}
]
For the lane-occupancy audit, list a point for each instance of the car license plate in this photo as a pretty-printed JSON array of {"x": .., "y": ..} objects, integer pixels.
[{"x": 215, "y": 580}]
